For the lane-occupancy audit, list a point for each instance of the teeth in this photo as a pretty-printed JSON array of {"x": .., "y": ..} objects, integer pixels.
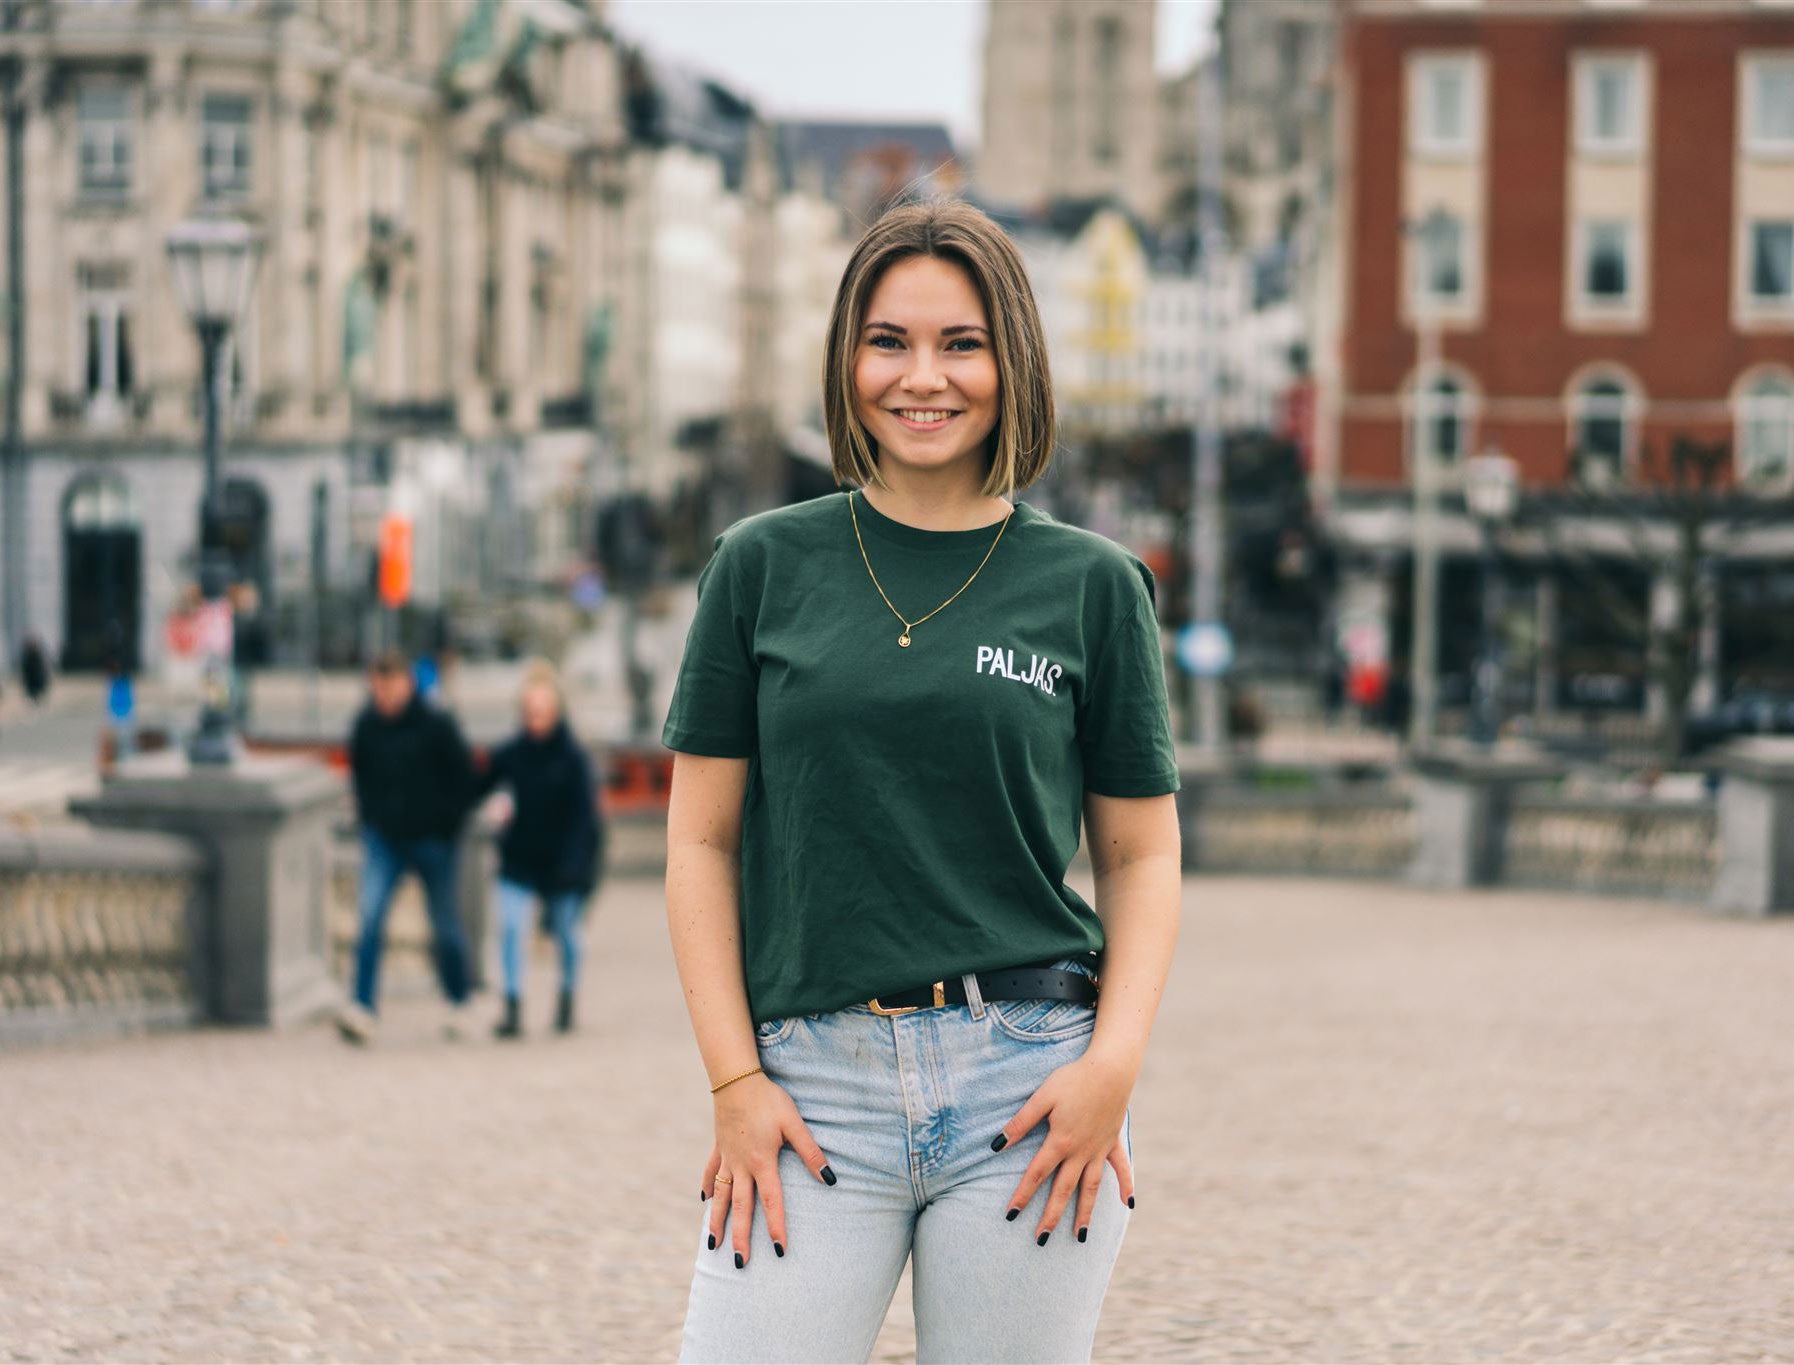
[{"x": 924, "y": 414}]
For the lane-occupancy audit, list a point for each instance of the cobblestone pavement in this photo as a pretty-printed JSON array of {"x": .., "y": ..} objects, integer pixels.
[{"x": 1376, "y": 1124}]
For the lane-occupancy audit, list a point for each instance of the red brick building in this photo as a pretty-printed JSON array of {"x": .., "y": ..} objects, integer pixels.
[{"x": 1613, "y": 269}]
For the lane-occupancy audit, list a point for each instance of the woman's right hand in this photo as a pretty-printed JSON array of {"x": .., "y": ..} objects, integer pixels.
[{"x": 755, "y": 1118}]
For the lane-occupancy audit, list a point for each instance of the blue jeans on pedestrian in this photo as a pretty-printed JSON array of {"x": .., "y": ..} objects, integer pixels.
[
  {"x": 384, "y": 862},
  {"x": 516, "y": 911},
  {"x": 904, "y": 1108}
]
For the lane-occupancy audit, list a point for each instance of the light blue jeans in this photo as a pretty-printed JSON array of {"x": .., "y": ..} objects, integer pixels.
[
  {"x": 516, "y": 917},
  {"x": 904, "y": 1108}
]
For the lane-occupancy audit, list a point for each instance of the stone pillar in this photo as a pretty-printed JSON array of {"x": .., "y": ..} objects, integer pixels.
[
  {"x": 1756, "y": 828},
  {"x": 1462, "y": 796},
  {"x": 265, "y": 826}
]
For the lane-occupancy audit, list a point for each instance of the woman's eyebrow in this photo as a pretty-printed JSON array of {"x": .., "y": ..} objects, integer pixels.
[{"x": 954, "y": 330}]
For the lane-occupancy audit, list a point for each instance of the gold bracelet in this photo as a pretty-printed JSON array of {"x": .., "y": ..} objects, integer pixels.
[{"x": 732, "y": 1080}]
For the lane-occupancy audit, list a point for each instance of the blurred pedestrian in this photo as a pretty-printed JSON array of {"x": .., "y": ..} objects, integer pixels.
[
  {"x": 552, "y": 841},
  {"x": 413, "y": 779},
  {"x": 34, "y": 669}
]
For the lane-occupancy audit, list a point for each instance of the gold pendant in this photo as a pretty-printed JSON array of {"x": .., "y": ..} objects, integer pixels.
[{"x": 903, "y": 639}]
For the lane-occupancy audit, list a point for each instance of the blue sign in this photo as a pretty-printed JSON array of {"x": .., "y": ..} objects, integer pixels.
[{"x": 1205, "y": 649}]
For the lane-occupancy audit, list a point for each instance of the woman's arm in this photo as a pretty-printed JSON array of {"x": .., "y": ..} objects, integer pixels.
[
  {"x": 754, "y": 1117},
  {"x": 1136, "y": 847},
  {"x": 704, "y": 907}
]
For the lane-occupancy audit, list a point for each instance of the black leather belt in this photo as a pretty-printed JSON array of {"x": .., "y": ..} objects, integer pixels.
[{"x": 1036, "y": 982}]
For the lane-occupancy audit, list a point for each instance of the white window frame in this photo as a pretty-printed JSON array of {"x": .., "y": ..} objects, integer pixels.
[
  {"x": 1628, "y": 306},
  {"x": 1422, "y": 140},
  {"x": 105, "y": 405},
  {"x": 1423, "y": 299},
  {"x": 118, "y": 132},
  {"x": 1748, "y": 409},
  {"x": 1627, "y": 406},
  {"x": 1755, "y": 305},
  {"x": 1755, "y": 66},
  {"x": 1588, "y": 68},
  {"x": 225, "y": 139},
  {"x": 1424, "y": 410}
]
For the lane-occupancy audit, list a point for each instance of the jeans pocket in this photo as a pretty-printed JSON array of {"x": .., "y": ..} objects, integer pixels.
[
  {"x": 770, "y": 1031},
  {"x": 1040, "y": 1020}
]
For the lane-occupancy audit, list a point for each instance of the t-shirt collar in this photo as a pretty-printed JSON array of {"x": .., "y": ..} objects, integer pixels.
[{"x": 874, "y": 522}]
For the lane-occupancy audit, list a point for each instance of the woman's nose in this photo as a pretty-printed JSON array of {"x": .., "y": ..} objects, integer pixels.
[{"x": 924, "y": 375}]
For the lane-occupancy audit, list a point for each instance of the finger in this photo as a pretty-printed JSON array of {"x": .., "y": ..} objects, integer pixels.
[
  {"x": 1087, "y": 1192},
  {"x": 707, "y": 1184},
  {"x": 743, "y": 1212},
  {"x": 772, "y": 1199},
  {"x": 1043, "y": 1165},
  {"x": 1065, "y": 1185},
  {"x": 1023, "y": 1123},
  {"x": 1124, "y": 1172},
  {"x": 719, "y": 1214},
  {"x": 810, "y": 1152}
]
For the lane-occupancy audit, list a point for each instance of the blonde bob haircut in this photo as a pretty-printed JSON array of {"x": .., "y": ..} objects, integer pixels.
[{"x": 1021, "y": 443}]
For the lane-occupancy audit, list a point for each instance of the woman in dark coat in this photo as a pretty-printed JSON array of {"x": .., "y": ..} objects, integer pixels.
[{"x": 551, "y": 845}]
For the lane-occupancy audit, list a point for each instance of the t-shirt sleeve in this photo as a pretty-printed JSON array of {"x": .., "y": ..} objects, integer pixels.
[
  {"x": 1124, "y": 720},
  {"x": 713, "y": 708}
]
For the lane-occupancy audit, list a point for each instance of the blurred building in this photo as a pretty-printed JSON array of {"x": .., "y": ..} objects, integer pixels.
[
  {"x": 1072, "y": 105},
  {"x": 1614, "y": 274},
  {"x": 511, "y": 268}
]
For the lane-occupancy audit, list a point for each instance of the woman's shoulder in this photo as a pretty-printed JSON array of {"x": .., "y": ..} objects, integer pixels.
[
  {"x": 750, "y": 543},
  {"x": 795, "y": 521},
  {"x": 1092, "y": 556}
]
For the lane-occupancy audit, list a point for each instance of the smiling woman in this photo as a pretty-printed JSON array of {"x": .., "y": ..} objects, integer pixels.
[{"x": 893, "y": 989}]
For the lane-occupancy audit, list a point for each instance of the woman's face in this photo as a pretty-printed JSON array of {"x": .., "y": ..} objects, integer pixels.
[
  {"x": 925, "y": 376},
  {"x": 541, "y": 711}
]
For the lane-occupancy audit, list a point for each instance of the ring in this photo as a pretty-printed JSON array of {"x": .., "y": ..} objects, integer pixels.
[{"x": 723, "y": 1180}]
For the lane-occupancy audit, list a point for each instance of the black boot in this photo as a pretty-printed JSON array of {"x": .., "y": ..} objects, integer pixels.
[
  {"x": 563, "y": 1017},
  {"x": 511, "y": 1026}
]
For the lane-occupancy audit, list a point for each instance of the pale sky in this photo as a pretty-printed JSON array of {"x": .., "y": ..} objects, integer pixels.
[{"x": 864, "y": 59}]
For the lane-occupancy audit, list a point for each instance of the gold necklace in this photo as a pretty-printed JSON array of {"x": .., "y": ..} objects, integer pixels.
[{"x": 903, "y": 639}]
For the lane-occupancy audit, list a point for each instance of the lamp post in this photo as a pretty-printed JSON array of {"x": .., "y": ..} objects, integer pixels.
[
  {"x": 1427, "y": 234},
  {"x": 1491, "y": 491},
  {"x": 214, "y": 261}
]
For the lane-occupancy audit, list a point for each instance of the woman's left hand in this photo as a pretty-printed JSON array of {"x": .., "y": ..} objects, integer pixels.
[{"x": 1084, "y": 1103}]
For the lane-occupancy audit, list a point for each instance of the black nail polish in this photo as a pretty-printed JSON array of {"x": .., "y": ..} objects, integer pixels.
[
  {"x": 702, "y": 1196},
  {"x": 828, "y": 1176},
  {"x": 1012, "y": 1215},
  {"x": 1130, "y": 1201},
  {"x": 999, "y": 1142},
  {"x": 779, "y": 1247},
  {"x": 1083, "y": 1234},
  {"x": 711, "y": 1238},
  {"x": 1041, "y": 1241},
  {"x": 738, "y": 1261}
]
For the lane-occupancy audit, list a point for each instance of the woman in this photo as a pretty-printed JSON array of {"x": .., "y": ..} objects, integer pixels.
[
  {"x": 550, "y": 847},
  {"x": 892, "y": 705}
]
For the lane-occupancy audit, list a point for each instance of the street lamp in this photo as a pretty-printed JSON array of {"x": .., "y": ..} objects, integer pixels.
[
  {"x": 1491, "y": 491},
  {"x": 214, "y": 261},
  {"x": 1429, "y": 235}
]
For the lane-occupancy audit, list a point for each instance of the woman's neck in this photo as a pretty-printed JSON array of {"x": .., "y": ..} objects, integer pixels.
[{"x": 932, "y": 506}]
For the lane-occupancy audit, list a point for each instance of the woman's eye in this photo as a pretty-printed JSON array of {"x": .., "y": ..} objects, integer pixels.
[
  {"x": 970, "y": 343},
  {"x": 882, "y": 337}
]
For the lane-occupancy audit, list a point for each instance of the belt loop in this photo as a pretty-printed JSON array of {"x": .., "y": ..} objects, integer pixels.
[{"x": 973, "y": 997}]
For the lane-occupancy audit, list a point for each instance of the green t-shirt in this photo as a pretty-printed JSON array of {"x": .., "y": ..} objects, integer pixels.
[{"x": 910, "y": 813}]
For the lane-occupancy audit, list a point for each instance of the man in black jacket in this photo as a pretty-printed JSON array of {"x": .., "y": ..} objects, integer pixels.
[{"x": 413, "y": 778}]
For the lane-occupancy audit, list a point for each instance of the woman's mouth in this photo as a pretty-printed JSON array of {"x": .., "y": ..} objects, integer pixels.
[{"x": 924, "y": 419}]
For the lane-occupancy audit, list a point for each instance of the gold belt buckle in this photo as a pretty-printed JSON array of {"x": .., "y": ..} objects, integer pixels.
[{"x": 891, "y": 1011}]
